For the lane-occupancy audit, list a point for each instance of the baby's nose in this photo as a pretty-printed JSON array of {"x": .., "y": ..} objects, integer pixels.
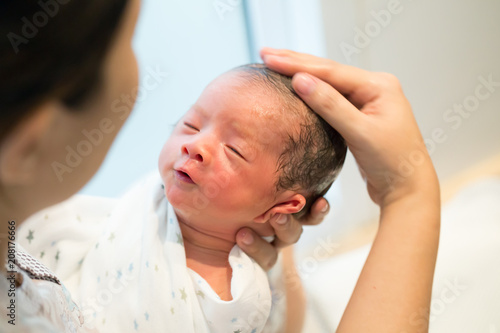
[
  {"x": 196, "y": 156},
  {"x": 196, "y": 151}
]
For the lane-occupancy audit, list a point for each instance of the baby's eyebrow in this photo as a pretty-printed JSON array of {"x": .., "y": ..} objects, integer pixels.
[
  {"x": 199, "y": 110},
  {"x": 177, "y": 121},
  {"x": 241, "y": 130},
  {"x": 252, "y": 144}
]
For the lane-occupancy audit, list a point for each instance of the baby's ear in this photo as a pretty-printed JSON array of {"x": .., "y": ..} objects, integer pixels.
[{"x": 292, "y": 203}]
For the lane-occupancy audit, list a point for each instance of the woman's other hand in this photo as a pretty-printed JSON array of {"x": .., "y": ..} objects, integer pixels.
[{"x": 288, "y": 230}]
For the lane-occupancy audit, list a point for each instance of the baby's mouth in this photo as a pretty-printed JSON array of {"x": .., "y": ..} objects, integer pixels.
[{"x": 183, "y": 176}]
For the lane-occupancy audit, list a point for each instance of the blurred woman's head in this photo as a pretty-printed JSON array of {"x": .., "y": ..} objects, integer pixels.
[{"x": 63, "y": 66}]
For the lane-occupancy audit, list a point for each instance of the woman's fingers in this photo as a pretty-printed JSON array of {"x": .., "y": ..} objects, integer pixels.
[
  {"x": 264, "y": 253},
  {"x": 287, "y": 230},
  {"x": 317, "y": 214},
  {"x": 346, "y": 79},
  {"x": 329, "y": 104}
]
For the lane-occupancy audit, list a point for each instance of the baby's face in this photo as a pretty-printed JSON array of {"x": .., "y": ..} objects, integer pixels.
[{"x": 219, "y": 164}]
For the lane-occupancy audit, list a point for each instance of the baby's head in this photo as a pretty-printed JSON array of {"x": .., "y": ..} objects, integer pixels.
[
  {"x": 249, "y": 148},
  {"x": 313, "y": 152}
]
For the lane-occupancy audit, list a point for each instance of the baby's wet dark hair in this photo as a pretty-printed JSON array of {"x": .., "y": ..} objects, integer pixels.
[{"x": 311, "y": 159}]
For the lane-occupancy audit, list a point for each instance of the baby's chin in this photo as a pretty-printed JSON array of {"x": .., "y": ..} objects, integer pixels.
[{"x": 177, "y": 201}]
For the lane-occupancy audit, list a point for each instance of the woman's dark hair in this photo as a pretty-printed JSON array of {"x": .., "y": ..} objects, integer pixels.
[{"x": 52, "y": 49}]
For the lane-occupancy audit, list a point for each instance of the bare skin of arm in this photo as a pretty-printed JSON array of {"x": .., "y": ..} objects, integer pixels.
[
  {"x": 296, "y": 299},
  {"x": 371, "y": 112}
]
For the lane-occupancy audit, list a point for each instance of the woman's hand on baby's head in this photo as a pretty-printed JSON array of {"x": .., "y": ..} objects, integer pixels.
[
  {"x": 287, "y": 232},
  {"x": 371, "y": 112}
]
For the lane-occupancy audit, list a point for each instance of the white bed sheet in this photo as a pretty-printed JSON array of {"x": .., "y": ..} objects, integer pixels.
[{"x": 466, "y": 292}]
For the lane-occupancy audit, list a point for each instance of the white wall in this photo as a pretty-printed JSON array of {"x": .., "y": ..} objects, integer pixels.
[
  {"x": 193, "y": 43},
  {"x": 438, "y": 49}
]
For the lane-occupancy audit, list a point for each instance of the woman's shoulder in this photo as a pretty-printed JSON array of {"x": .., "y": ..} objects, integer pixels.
[{"x": 38, "y": 301}]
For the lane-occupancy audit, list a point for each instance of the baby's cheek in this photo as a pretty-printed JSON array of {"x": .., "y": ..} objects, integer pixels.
[
  {"x": 161, "y": 168},
  {"x": 166, "y": 159}
]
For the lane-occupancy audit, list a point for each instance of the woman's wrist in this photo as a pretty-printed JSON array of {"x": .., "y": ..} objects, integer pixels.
[
  {"x": 421, "y": 204},
  {"x": 423, "y": 185}
]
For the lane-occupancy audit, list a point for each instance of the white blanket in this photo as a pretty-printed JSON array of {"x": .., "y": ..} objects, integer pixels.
[{"x": 135, "y": 278}]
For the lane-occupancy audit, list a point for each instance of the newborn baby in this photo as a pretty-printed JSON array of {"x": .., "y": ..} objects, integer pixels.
[
  {"x": 167, "y": 260},
  {"x": 248, "y": 149}
]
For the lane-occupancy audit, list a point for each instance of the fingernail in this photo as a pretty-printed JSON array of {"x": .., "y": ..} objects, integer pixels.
[
  {"x": 269, "y": 57},
  {"x": 324, "y": 209},
  {"x": 247, "y": 238},
  {"x": 281, "y": 219},
  {"x": 304, "y": 84},
  {"x": 268, "y": 50}
]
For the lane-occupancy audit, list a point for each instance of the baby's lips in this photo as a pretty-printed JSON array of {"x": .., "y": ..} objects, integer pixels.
[
  {"x": 189, "y": 168},
  {"x": 185, "y": 175}
]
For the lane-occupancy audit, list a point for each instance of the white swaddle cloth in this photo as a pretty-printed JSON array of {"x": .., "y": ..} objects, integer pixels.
[{"x": 136, "y": 279}]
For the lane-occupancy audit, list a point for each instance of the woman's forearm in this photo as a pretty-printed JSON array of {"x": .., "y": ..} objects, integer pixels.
[
  {"x": 394, "y": 289},
  {"x": 295, "y": 295}
]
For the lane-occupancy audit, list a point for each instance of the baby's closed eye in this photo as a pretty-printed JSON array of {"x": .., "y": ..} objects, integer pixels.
[
  {"x": 234, "y": 150},
  {"x": 190, "y": 126}
]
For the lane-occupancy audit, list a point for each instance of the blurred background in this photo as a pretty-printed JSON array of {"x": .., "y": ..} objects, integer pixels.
[{"x": 446, "y": 55}]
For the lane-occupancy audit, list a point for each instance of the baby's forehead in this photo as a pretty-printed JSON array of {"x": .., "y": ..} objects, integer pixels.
[
  {"x": 262, "y": 124},
  {"x": 256, "y": 106}
]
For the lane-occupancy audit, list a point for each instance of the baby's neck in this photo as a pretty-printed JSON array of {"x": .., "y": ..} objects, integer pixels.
[{"x": 207, "y": 254}]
